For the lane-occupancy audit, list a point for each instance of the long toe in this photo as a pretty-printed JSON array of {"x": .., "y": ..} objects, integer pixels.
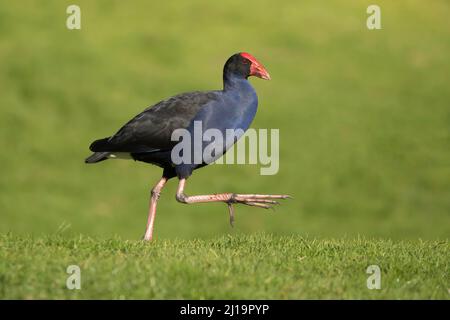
[
  {"x": 259, "y": 205},
  {"x": 263, "y": 196},
  {"x": 260, "y": 200}
]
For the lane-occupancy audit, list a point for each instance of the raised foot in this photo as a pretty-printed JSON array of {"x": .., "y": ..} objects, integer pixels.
[{"x": 265, "y": 201}]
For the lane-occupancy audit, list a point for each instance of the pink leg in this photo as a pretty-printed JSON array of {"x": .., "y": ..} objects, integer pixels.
[
  {"x": 256, "y": 200},
  {"x": 156, "y": 191}
]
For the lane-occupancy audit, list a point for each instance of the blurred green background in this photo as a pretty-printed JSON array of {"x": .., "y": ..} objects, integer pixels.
[{"x": 364, "y": 116}]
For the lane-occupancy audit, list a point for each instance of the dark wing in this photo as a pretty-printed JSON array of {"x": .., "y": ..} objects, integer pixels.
[{"x": 152, "y": 129}]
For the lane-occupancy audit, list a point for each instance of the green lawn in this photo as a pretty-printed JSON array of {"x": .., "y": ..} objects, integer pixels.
[
  {"x": 364, "y": 120},
  {"x": 241, "y": 267}
]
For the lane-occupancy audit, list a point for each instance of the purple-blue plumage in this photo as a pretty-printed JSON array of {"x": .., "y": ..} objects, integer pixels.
[{"x": 147, "y": 137}]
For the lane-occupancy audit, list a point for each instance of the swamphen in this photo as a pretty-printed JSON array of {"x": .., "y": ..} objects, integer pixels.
[{"x": 147, "y": 137}]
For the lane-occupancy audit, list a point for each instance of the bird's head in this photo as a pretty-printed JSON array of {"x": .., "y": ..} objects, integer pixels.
[{"x": 245, "y": 65}]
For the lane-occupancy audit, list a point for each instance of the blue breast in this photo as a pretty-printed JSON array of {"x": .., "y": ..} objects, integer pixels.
[{"x": 234, "y": 108}]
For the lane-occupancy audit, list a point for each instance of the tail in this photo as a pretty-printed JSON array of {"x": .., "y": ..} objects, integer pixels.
[
  {"x": 97, "y": 157},
  {"x": 99, "y": 154}
]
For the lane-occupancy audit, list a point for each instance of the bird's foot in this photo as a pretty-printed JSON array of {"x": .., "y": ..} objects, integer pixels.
[{"x": 265, "y": 201}]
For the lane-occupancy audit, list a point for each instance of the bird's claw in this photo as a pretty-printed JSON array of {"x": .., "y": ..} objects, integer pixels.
[
  {"x": 231, "y": 212},
  {"x": 254, "y": 200},
  {"x": 260, "y": 200}
]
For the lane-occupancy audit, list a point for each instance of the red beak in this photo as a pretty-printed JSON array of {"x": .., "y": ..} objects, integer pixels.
[
  {"x": 256, "y": 68},
  {"x": 259, "y": 71}
]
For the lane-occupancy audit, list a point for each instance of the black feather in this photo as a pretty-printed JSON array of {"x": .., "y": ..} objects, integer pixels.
[
  {"x": 97, "y": 157},
  {"x": 99, "y": 145}
]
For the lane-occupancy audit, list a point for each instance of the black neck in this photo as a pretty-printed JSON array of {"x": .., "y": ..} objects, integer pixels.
[{"x": 231, "y": 80}]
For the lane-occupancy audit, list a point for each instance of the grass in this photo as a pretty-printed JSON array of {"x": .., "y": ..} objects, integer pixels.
[
  {"x": 364, "y": 124},
  {"x": 256, "y": 266}
]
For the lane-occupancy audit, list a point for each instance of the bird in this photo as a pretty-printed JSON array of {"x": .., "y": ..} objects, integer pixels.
[{"x": 148, "y": 136}]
